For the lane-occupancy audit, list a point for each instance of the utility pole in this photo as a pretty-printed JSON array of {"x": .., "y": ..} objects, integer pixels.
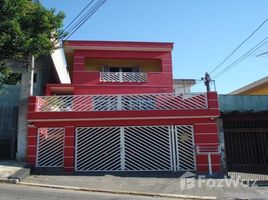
[
  {"x": 25, "y": 92},
  {"x": 207, "y": 81}
]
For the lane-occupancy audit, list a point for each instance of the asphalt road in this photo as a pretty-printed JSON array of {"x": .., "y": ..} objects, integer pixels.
[
  {"x": 19, "y": 192},
  {"x": 263, "y": 190}
]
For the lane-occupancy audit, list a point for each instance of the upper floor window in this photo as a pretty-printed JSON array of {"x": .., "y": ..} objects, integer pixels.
[
  {"x": 122, "y": 74},
  {"x": 121, "y": 69}
]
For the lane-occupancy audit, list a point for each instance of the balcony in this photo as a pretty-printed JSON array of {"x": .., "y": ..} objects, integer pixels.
[
  {"x": 129, "y": 102},
  {"x": 123, "y": 77}
]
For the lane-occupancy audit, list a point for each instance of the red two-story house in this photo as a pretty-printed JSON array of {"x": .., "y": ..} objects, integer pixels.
[{"x": 121, "y": 114}]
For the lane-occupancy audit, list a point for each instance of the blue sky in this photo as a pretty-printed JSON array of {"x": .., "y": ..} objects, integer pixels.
[{"x": 204, "y": 32}]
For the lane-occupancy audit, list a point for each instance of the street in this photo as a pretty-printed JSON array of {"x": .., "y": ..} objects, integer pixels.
[{"x": 19, "y": 192}]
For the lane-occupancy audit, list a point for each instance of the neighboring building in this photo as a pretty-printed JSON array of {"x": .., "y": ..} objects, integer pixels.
[
  {"x": 8, "y": 121},
  {"x": 12, "y": 137},
  {"x": 121, "y": 114},
  {"x": 244, "y": 115},
  {"x": 183, "y": 85},
  {"x": 259, "y": 87},
  {"x": 245, "y": 132}
]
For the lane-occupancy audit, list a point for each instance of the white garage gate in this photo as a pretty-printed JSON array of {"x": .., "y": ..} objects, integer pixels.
[{"x": 135, "y": 148}]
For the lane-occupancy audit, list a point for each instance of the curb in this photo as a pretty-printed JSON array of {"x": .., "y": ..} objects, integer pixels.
[{"x": 178, "y": 196}]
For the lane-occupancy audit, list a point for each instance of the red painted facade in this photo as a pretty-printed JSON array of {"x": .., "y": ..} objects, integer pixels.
[{"x": 86, "y": 82}]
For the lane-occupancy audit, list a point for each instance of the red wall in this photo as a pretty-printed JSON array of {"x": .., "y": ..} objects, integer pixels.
[
  {"x": 84, "y": 82},
  {"x": 89, "y": 82},
  {"x": 203, "y": 122},
  {"x": 205, "y": 133}
]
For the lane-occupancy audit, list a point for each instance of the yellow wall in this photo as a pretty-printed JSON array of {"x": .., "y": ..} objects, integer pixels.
[
  {"x": 260, "y": 90},
  {"x": 146, "y": 65}
]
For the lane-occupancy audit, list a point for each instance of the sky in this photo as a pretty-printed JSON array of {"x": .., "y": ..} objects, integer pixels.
[{"x": 204, "y": 33}]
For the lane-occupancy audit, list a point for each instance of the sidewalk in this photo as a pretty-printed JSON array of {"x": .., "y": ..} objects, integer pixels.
[
  {"x": 162, "y": 186},
  {"x": 165, "y": 184}
]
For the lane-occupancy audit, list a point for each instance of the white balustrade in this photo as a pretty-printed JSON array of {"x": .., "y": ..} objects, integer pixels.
[
  {"x": 158, "y": 101},
  {"x": 123, "y": 77}
]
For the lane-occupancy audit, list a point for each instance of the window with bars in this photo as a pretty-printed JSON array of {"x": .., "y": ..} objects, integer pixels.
[{"x": 106, "y": 68}]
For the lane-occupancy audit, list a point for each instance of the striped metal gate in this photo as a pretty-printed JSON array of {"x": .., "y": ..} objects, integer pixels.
[
  {"x": 184, "y": 144},
  {"x": 50, "y": 142},
  {"x": 98, "y": 149},
  {"x": 147, "y": 148},
  {"x": 134, "y": 148}
]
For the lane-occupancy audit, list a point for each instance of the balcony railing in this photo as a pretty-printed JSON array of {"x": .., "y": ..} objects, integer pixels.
[
  {"x": 123, "y": 77},
  {"x": 159, "y": 101}
]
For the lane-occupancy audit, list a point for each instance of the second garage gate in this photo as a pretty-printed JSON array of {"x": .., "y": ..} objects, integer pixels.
[{"x": 135, "y": 148}]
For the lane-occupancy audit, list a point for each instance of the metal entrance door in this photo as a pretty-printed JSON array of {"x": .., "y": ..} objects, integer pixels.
[
  {"x": 184, "y": 148},
  {"x": 50, "y": 143}
]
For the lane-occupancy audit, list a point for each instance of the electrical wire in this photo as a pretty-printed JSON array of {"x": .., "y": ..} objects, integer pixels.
[
  {"x": 243, "y": 42},
  {"x": 85, "y": 17},
  {"x": 78, "y": 15},
  {"x": 240, "y": 59},
  {"x": 244, "y": 56},
  {"x": 261, "y": 54},
  {"x": 198, "y": 82}
]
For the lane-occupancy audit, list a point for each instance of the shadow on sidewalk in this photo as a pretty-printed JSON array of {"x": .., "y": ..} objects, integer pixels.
[{"x": 137, "y": 174}]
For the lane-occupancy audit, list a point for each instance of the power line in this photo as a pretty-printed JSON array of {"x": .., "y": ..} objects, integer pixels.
[
  {"x": 261, "y": 54},
  {"x": 239, "y": 46},
  {"x": 85, "y": 17},
  {"x": 244, "y": 56},
  {"x": 78, "y": 15}
]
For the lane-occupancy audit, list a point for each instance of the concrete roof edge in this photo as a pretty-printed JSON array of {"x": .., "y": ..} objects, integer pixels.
[
  {"x": 250, "y": 86},
  {"x": 117, "y": 45}
]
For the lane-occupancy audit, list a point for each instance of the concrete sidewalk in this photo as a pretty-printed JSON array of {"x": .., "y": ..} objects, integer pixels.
[
  {"x": 165, "y": 184},
  {"x": 156, "y": 186}
]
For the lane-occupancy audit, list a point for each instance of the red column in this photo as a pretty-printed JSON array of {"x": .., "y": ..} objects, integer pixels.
[
  {"x": 69, "y": 149},
  {"x": 31, "y": 145},
  {"x": 32, "y": 104},
  {"x": 213, "y": 101},
  {"x": 206, "y": 134}
]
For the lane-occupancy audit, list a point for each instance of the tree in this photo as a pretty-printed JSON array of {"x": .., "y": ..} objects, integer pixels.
[
  {"x": 7, "y": 77},
  {"x": 27, "y": 30}
]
